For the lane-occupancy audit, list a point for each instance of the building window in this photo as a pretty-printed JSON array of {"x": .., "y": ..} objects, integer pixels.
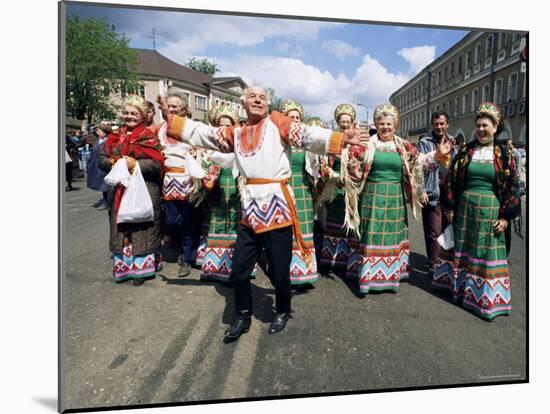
[
  {"x": 515, "y": 37},
  {"x": 477, "y": 53},
  {"x": 445, "y": 75},
  {"x": 452, "y": 69},
  {"x": 489, "y": 46},
  {"x": 475, "y": 99},
  {"x": 467, "y": 60},
  {"x": 457, "y": 103},
  {"x": 502, "y": 40},
  {"x": 498, "y": 92},
  {"x": 459, "y": 67},
  {"x": 486, "y": 92},
  {"x": 512, "y": 87},
  {"x": 465, "y": 104},
  {"x": 200, "y": 102}
]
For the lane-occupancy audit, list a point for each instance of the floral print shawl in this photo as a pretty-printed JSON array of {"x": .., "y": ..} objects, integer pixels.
[
  {"x": 358, "y": 162},
  {"x": 507, "y": 179}
]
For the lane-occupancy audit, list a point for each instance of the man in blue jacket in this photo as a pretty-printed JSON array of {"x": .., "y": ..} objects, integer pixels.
[{"x": 432, "y": 216}]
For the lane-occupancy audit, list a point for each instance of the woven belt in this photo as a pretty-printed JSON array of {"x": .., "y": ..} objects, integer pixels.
[{"x": 290, "y": 202}]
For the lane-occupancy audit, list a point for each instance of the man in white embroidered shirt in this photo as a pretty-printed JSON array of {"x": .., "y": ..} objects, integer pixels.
[{"x": 262, "y": 153}]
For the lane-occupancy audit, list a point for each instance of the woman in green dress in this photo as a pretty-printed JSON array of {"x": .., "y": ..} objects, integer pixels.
[
  {"x": 216, "y": 251},
  {"x": 302, "y": 271},
  {"x": 483, "y": 194},
  {"x": 336, "y": 247},
  {"x": 380, "y": 177}
]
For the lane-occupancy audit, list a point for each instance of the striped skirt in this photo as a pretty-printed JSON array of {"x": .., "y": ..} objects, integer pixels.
[
  {"x": 475, "y": 272},
  {"x": 336, "y": 247},
  {"x": 380, "y": 258},
  {"x": 129, "y": 266}
]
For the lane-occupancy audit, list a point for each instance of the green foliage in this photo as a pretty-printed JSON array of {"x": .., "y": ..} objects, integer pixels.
[
  {"x": 203, "y": 65},
  {"x": 99, "y": 63},
  {"x": 275, "y": 101}
]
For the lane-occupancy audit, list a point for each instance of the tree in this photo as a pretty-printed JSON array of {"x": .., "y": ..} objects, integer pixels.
[
  {"x": 99, "y": 63},
  {"x": 203, "y": 65},
  {"x": 275, "y": 101}
]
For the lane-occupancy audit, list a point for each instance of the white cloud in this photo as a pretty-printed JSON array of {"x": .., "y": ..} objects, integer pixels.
[
  {"x": 417, "y": 57},
  {"x": 317, "y": 90},
  {"x": 202, "y": 31},
  {"x": 340, "y": 49}
]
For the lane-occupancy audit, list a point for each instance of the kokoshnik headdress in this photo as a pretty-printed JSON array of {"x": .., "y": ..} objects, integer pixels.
[
  {"x": 489, "y": 109},
  {"x": 344, "y": 109},
  {"x": 225, "y": 110},
  {"x": 386, "y": 110},
  {"x": 289, "y": 105},
  {"x": 137, "y": 102}
]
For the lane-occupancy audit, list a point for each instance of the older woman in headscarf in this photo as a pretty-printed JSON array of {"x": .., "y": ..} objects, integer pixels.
[
  {"x": 303, "y": 270},
  {"x": 336, "y": 247},
  {"x": 134, "y": 245},
  {"x": 380, "y": 176},
  {"x": 482, "y": 191}
]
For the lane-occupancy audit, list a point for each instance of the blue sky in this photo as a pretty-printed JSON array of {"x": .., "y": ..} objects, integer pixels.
[{"x": 321, "y": 64}]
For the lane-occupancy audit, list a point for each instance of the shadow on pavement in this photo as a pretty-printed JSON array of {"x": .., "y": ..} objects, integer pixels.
[
  {"x": 262, "y": 298},
  {"x": 419, "y": 278}
]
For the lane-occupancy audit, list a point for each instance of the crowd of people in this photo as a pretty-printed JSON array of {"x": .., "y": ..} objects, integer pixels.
[{"x": 299, "y": 199}]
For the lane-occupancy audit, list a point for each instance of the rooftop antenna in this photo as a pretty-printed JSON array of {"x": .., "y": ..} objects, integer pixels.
[{"x": 154, "y": 39}]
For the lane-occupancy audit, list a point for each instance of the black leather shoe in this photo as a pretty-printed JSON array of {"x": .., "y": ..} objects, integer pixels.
[
  {"x": 279, "y": 322},
  {"x": 240, "y": 326},
  {"x": 184, "y": 270}
]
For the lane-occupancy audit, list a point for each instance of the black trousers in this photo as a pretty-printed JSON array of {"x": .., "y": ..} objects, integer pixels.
[{"x": 278, "y": 246}]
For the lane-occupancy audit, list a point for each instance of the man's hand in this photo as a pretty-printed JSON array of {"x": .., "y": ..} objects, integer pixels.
[
  {"x": 163, "y": 106},
  {"x": 354, "y": 136},
  {"x": 445, "y": 146},
  {"x": 424, "y": 199}
]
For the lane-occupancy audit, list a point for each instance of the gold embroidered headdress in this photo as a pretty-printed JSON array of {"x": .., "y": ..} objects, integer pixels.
[
  {"x": 386, "y": 110},
  {"x": 227, "y": 111},
  {"x": 289, "y": 105},
  {"x": 316, "y": 121},
  {"x": 489, "y": 109},
  {"x": 345, "y": 109},
  {"x": 136, "y": 101}
]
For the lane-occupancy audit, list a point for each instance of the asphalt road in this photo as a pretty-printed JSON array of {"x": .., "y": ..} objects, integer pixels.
[{"x": 162, "y": 342}]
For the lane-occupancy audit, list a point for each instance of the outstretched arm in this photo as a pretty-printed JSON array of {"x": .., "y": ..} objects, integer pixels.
[
  {"x": 196, "y": 133},
  {"x": 315, "y": 139}
]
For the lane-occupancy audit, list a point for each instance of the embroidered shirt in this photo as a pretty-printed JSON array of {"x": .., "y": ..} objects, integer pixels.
[{"x": 261, "y": 151}]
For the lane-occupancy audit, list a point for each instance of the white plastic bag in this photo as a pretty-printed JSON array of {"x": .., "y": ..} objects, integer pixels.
[
  {"x": 447, "y": 239},
  {"x": 119, "y": 174},
  {"x": 136, "y": 205}
]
